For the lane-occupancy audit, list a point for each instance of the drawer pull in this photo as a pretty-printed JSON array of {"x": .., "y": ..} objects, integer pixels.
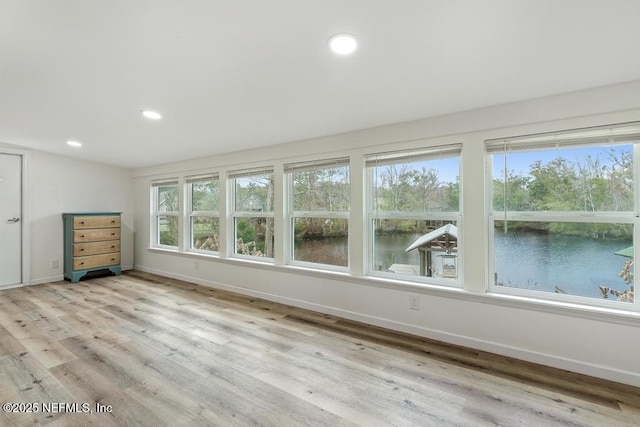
[
  {"x": 82, "y": 263},
  {"x": 113, "y": 234},
  {"x": 82, "y": 235},
  {"x": 81, "y": 249},
  {"x": 113, "y": 221},
  {"x": 113, "y": 247},
  {"x": 113, "y": 259},
  {"x": 81, "y": 222}
]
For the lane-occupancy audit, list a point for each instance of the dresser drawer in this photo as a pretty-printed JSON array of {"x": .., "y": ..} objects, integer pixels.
[
  {"x": 82, "y": 222},
  {"x": 95, "y": 248},
  {"x": 86, "y": 262},
  {"x": 80, "y": 236}
]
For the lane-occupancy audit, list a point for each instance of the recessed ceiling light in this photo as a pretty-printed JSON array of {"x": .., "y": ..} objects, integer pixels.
[
  {"x": 74, "y": 143},
  {"x": 151, "y": 114},
  {"x": 343, "y": 44}
]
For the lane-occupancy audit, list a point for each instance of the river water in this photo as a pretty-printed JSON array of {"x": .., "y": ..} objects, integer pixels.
[
  {"x": 537, "y": 261},
  {"x": 542, "y": 262},
  {"x": 528, "y": 260}
]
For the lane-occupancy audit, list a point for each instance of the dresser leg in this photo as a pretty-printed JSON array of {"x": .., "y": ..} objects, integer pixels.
[
  {"x": 77, "y": 275},
  {"x": 117, "y": 270}
]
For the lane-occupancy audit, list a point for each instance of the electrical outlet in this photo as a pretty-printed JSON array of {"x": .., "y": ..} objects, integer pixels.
[
  {"x": 414, "y": 302},
  {"x": 54, "y": 263}
]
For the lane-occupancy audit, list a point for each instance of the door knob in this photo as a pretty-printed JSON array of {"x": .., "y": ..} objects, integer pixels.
[{"x": 14, "y": 219}]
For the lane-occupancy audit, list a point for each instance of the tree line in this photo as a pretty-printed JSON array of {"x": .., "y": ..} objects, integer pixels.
[
  {"x": 585, "y": 184},
  {"x": 403, "y": 188}
]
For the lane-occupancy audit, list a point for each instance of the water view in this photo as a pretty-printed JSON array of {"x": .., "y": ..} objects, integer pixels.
[
  {"x": 536, "y": 261},
  {"x": 390, "y": 249},
  {"x": 559, "y": 263}
]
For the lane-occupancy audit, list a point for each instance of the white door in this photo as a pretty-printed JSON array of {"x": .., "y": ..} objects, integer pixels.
[{"x": 10, "y": 219}]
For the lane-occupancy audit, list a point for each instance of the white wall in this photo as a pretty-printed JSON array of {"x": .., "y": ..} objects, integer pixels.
[
  {"x": 57, "y": 184},
  {"x": 599, "y": 342}
]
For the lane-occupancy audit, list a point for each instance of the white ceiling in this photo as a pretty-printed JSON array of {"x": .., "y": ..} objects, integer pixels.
[{"x": 238, "y": 74}]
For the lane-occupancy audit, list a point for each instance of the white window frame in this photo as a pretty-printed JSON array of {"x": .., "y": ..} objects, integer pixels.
[
  {"x": 191, "y": 214},
  {"x": 289, "y": 170},
  {"x": 156, "y": 214},
  {"x": 372, "y": 161},
  {"x": 236, "y": 214},
  {"x": 617, "y": 134}
]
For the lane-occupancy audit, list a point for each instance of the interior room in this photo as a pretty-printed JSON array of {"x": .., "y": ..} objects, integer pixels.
[{"x": 319, "y": 213}]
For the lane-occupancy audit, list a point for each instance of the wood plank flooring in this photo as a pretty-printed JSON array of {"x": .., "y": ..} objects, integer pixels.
[{"x": 153, "y": 351}]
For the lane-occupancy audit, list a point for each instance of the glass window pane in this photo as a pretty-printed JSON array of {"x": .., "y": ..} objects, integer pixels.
[
  {"x": 582, "y": 259},
  {"x": 204, "y": 196},
  {"x": 205, "y": 233},
  {"x": 168, "y": 230},
  {"x": 587, "y": 179},
  {"x": 322, "y": 190},
  {"x": 254, "y": 194},
  {"x": 422, "y": 186},
  {"x": 254, "y": 236},
  {"x": 168, "y": 199},
  {"x": 435, "y": 257},
  {"x": 321, "y": 240}
]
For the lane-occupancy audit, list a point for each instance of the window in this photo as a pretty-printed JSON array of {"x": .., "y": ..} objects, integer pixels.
[
  {"x": 414, "y": 214},
  {"x": 319, "y": 211},
  {"x": 564, "y": 214},
  {"x": 253, "y": 212},
  {"x": 165, "y": 213},
  {"x": 203, "y": 211}
]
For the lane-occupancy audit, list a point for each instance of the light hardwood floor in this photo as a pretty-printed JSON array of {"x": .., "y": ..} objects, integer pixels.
[{"x": 162, "y": 352}]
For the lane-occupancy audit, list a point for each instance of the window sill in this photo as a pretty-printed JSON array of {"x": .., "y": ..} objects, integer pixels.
[{"x": 602, "y": 314}]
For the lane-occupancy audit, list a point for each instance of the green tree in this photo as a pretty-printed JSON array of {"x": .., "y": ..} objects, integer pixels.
[
  {"x": 168, "y": 224},
  {"x": 453, "y": 195},
  {"x": 204, "y": 196},
  {"x": 517, "y": 193},
  {"x": 396, "y": 188},
  {"x": 425, "y": 190},
  {"x": 552, "y": 187}
]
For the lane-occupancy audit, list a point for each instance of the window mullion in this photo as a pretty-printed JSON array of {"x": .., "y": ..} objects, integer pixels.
[
  {"x": 205, "y": 213},
  {"x": 568, "y": 216},
  {"x": 253, "y": 214},
  {"x": 320, "y": 214}
]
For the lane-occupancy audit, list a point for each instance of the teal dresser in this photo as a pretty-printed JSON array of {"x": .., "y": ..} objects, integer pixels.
[{"x": 91, "y": 243}]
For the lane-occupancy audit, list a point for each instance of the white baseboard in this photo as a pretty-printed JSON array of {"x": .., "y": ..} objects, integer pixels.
[
  {"x": 46, "y": 280},
  {"x": 12, "y": 286},
  {"x": 59, "y": 278},
  {"x": 581, "y": 367}
]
